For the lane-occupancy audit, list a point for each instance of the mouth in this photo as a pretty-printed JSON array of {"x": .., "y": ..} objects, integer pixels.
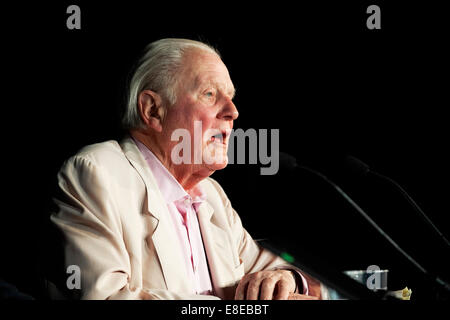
[{"x": 220, "y": 137}]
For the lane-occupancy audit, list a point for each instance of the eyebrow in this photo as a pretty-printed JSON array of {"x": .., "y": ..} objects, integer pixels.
[{"x": 231, "y": 92}]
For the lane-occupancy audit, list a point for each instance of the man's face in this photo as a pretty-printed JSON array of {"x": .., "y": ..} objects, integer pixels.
[{"x": 204, "y": 99}]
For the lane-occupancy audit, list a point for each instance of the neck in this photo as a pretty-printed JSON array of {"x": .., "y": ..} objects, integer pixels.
[{"x": 187, "y": 175}]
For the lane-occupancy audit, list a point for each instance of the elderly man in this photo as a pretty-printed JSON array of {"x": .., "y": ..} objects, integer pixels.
[{"x": 142, "y": 219}]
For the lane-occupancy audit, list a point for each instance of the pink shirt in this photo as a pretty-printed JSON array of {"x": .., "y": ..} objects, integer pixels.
[{"x": 183, "y": 213}]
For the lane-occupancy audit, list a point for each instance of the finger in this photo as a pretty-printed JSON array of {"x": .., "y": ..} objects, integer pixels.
[
  {"x": 253, "y": 289},
  {"x": 267, "y": 287},
  {"x": 240, "y": 290},
  {"x": 297, "y": 296},
  {"x": 283, "y": 290}
]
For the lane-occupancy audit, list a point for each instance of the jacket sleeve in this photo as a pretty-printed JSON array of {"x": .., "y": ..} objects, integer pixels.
[{"x": 90, "y": 224}]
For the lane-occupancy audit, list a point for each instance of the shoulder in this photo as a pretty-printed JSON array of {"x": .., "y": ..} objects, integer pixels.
[
  {"x": 103, "y": 160},
  {"x": 100, "y": 153},
  {"x": 107, "y": 154}
]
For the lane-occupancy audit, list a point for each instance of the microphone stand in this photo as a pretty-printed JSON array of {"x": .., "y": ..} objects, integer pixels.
[
  {"x": 339, "y": 281},
  {"x": 416, "y": 207},
  {"x": 443, "y": 284},
  {"x": 364, "y": 169}
]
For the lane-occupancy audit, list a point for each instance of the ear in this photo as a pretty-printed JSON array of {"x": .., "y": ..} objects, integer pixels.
[{"x": 150, "y": 109}]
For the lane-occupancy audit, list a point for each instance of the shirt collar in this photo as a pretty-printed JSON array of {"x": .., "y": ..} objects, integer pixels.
[{"x": 170, "y": 188}]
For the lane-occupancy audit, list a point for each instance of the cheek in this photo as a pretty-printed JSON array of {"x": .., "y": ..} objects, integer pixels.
[
  {"x": 174, "y": 118},
  {"x": 191, "y": 115},
  {"x": 180, "y": 117},
  {"x": 201, "y": 118}
]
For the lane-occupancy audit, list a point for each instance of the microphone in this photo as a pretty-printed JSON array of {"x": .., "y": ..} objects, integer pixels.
[
  {"x": 289, "y": 162},
  {"x": 359, "y": 168}
]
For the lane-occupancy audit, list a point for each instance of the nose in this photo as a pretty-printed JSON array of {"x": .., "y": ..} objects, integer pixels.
[{"x": 228, "y": 111}]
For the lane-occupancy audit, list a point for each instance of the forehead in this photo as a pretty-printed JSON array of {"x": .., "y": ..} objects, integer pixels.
[{"x": 204, "y": 68}]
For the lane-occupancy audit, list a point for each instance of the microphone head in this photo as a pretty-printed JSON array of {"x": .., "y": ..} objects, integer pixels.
[
  {"x": 356, "y": 166},
  {"x": 339, "y": 168},
  {"x": 287, "y": 161}
]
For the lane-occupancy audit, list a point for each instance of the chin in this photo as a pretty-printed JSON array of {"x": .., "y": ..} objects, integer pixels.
[{"x": 217, "y": 165}]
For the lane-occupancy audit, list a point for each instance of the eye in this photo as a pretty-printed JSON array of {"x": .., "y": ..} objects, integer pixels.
[{"x": 209, "y": 95}]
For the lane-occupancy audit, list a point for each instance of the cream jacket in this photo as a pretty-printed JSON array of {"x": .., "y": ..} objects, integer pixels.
[{"x": 117, "y": 230}]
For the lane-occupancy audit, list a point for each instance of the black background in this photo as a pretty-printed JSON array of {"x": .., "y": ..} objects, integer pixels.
[{"x": 314, "y": 71}]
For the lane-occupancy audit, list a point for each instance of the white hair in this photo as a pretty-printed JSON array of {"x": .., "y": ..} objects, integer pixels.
[{"x": 156, "y": 70}]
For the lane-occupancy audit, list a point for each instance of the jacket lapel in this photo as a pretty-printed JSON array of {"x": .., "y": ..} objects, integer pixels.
[
  {"x": 164, "y": 237},
  {"x": 219, "y": 252}
]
